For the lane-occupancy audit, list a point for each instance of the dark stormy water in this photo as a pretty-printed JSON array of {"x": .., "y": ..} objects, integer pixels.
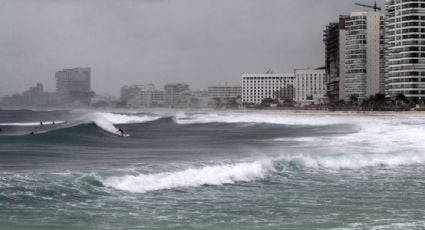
[{"x": 210, "y": 170}]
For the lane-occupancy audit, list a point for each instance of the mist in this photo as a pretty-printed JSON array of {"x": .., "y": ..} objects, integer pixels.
[{"x": 128, "y": 42}]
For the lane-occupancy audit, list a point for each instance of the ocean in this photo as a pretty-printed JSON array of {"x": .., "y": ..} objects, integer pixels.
[{"x": 210, "y": 170}]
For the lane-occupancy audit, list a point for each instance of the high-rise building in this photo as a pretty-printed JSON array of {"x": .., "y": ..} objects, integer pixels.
[
  {"x": 334, "y": 37},
  {"x": 74, "y": 84},
  {"x": 310, "y": 85},
  {"x": 405, "y": 48},
  {"x": 257, "y": 87},
  {"x": 364, "y": 55}
]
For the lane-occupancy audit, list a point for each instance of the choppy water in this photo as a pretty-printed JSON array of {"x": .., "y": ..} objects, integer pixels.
[{"x": 210, "y": 170}]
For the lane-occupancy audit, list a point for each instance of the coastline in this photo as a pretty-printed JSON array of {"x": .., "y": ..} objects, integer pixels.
[{"x": 338, "y": 113}]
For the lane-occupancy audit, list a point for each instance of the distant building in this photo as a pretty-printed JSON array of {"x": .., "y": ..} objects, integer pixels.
[
  {"x": 158, "y": 98},
  {"x": 364, "y": 55},
  {"x": 141, "y": 95},
  {"x": 310, "y": 86},
  {"x": 146, "y": 94},
  {"x": 334, "y": 38},
  {"x": 74, "y": 85},
  {"x": 257, "y": 87},
  {"x": 405, "y": 46},
  {"x": 177, "y": 95},
  {"x": 104, "y": 100},
  {"x": 34, "y": 96},
  {"x": 199, "y": 99},
  {"x": 224, "y": 96},
  {"x": 224, "y": 91},
  {"x": 130, "y": 96}
]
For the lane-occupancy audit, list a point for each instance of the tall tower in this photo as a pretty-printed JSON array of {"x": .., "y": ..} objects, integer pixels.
[
  {"x": 73, "y": 84},
  {"x": 364, "y": 55},
  {"x": 405, "y": 48},
  {"x": 334, "y": 39}
]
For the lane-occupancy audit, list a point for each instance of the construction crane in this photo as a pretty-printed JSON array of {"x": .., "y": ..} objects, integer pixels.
[{"x": 375, "y": 7}]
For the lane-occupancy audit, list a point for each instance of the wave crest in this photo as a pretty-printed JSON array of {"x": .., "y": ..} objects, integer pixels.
[
  {"x": 355, "y": 161},
  {"x": 209, "y": 175}
]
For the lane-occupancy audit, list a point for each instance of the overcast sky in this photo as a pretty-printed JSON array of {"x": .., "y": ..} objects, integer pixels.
[{"x": 200, "y": 42}]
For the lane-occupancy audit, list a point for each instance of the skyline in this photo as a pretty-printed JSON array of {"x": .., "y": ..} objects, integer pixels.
[{"x": 160, "y": 41}]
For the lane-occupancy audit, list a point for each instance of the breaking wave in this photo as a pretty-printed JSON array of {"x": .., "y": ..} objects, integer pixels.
[
  {"x": 105, "y": 121},
  {"x": 225, "y": 174},
  {"x": 354, "y": 161},
  {"x": 209, "y": 175}
]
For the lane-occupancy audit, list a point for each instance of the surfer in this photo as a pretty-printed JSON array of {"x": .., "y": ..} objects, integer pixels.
[
  {"x": 1, "y": 129},
  {"x": 121, "y": 131},
  {"x": 32, "y": 133},
  {"x": 41, "y": 123}
]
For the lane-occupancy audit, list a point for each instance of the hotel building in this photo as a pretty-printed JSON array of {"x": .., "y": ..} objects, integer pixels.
[{"x": 257, "y": 87}]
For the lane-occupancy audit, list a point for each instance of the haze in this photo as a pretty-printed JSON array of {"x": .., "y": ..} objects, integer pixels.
[{"x": 200, "y": 42}]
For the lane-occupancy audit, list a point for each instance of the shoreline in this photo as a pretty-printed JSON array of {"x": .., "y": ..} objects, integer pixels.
[{"x": 337, "y": 113}]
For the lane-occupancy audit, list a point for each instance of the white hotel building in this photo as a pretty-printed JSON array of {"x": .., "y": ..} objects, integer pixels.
[
  {"x": 257, "y": 87},
  {"x": 310, "y": 86}
]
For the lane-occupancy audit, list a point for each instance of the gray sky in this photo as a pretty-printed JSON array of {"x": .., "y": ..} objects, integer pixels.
[{"x": 200, "y": 42}]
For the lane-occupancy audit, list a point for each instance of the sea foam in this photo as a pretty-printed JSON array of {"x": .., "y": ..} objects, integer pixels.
[{"x": 267, "y": 118}]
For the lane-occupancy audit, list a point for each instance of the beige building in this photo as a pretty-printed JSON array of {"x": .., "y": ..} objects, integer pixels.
[{"x": 364, "y": 55}]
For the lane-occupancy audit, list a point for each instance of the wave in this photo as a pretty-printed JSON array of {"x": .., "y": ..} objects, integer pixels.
[
  {"x": 32, "y": 123},
  {"x": 254, "y": 117},
  {"x": 117, "y": 119},
  {"x": 224, "y": 174},
  {"x": 105, "y": 121},
  {"x": 209, "y": 175},
  {"x": 353, "y": 161}
]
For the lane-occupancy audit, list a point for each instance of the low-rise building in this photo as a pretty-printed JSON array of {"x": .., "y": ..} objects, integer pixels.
[
  {"x": 224, "y": 96},
  {"x": 310, "y": 86}
]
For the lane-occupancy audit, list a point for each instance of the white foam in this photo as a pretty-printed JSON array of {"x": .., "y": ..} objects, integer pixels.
[
  {"x": 126, "y": 119},
  {"x": 32, "y": 123},
  {"x": 209, "y": 175},
  {"x": 255, "y": 117},
  {"x": 106, "y": 121},
  {"x": 356, "y": 161}
]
